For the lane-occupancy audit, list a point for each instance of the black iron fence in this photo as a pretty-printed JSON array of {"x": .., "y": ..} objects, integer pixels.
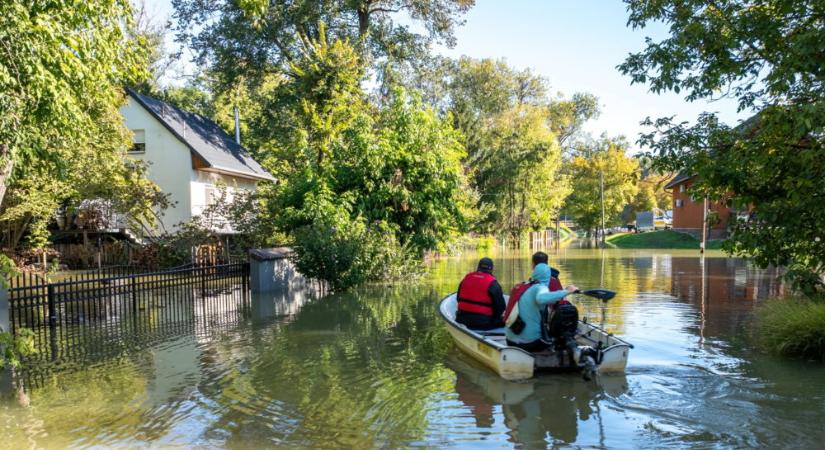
[{"x": 79, "y": 313}]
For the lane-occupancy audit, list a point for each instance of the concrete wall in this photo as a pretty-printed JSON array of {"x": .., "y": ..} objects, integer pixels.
[{"x": 688, "y": 217}]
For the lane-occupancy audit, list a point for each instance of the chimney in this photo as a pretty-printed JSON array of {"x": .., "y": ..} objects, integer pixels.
[{"x": 237, "y": 126}]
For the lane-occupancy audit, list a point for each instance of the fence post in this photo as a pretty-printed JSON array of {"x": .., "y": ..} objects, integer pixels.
[
  {"x": 202, "y": 270},
  {"x": 133, "y": 285},
  {"x": 50, "y": 302}
]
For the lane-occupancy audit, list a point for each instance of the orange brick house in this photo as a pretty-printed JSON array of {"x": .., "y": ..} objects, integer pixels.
[{"x": 687, "y": 212}]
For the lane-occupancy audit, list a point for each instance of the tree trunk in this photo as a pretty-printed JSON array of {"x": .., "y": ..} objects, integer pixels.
[
  {"x": 5, "y": 170},
  {"x": 363, "y": 21}
]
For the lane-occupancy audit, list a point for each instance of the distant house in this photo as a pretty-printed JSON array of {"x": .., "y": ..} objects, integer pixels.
[
  {"x": 687, "y": 211},
  {"x": 188, "y": 156}
]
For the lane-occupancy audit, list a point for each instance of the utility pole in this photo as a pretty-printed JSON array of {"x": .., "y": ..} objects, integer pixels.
[
  {"x": 704, "y": 226},
  {"x": 558, "y": 230},
  {"x": 601, "y": 193}
]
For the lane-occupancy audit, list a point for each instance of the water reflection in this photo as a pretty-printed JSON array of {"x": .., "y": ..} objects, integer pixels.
[
  {"x": 537, "y": 412},
  {"x": 375, "y": 368}
]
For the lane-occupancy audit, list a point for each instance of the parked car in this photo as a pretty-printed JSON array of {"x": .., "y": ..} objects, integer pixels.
[{"x": 662, "y": 220}]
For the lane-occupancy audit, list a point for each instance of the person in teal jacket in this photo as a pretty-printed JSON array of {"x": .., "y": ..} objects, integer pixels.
[{"x": 530, "y": 306}]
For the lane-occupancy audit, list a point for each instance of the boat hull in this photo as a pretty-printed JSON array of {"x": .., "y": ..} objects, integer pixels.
[{"x": 513, "y": 363}]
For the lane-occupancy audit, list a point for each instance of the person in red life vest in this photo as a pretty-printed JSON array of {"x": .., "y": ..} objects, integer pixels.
[
  {"x": 480, "y": 299},
  {"x": 542, "y": 258}
]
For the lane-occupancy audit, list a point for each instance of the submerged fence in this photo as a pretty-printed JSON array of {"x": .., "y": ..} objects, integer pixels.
[{"x": 108, "y": 308}]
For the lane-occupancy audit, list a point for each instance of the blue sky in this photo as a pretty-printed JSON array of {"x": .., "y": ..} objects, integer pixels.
[{"x": 576, "y": 45}]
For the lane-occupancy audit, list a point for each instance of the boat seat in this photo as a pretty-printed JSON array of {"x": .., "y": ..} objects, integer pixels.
[{"x": 493, "y": 332}]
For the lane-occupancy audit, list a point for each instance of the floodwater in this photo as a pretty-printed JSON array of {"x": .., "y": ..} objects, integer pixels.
[{"x": 375, "y": 369}]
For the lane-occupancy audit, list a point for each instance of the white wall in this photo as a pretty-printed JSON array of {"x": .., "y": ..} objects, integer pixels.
[
  {"x": 170, "y": 163},
  {"x": 170, "y": 167},
  {"x": 203, "y": 181}
]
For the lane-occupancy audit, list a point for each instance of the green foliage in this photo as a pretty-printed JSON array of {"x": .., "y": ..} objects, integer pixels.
[
  {"x": 248, "y": 39},
  {"x": 8, "y": 269},
  {"x": 14, "y": 348},
  {"x": 367, "y": 189},
  {"x": 645, "y": 200},
  {"x": 346, "y": 251},
  {"x": 792, "y": 327},
  {"x": 96, "y": 182},
  {"x": 658, "y": 239},
  {"x": 61, "y": 71},
  {"x": 768, "y": 56},
  {"x": 513, "y": 132},
  {"x": 517, "y": 172},
  {"x": 606, "y": 158}
]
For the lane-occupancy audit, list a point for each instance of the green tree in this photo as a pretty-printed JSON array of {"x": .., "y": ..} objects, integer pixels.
[
  {"x": 513, "y": 131},
  {"x": 253, "y": 38},
  {"x": 605, "y": 158},
  {"x": 369, "y": 189},
  {"x": 768, "y": 56},
  {"x": 518, "y": 173},
  {"x": 62, "y": 68}
]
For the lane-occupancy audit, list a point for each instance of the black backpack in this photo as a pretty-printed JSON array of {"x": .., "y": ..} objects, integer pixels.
[{"x": 563, "y": 321}]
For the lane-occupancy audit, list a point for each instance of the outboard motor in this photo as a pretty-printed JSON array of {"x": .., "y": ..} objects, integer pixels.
[{"x": 562, "y": 324}]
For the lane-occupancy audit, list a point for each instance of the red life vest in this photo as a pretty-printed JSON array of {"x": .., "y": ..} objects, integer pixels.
[
  {"x": 473, "y": 296},
  {"x": 555, "y": 284}
]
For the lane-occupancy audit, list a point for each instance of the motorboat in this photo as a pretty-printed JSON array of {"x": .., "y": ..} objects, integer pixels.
[{"x": 595, "y": 350}]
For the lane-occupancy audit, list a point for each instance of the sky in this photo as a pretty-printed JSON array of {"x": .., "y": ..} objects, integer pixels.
[{"x": 576, "y": 45}]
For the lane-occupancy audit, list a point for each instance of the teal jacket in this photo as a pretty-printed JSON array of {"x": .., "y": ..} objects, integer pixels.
[{"x": 531, "y": 303}]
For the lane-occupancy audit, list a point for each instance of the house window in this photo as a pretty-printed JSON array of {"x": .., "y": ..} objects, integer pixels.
[
  {"x": 679, "y": 203},
  {"x": 681, "y": 188},
  {"x": 211, "y": 196},
  {"x": 138, "y": 142}
]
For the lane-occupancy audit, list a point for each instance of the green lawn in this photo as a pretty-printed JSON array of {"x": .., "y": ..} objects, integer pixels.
[{"x": 658, "y": 239}]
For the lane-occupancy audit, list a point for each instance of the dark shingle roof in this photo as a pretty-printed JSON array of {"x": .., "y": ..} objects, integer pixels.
[
  {"x": 205, "y": 138},
  {"x": 678, "y": 179}
]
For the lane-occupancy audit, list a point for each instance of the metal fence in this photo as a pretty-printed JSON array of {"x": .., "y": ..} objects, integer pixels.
[{"x": 86, "y": 310}]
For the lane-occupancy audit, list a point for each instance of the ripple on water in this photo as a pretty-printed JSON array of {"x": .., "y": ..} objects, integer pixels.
[{"x": 374, "y": 369}]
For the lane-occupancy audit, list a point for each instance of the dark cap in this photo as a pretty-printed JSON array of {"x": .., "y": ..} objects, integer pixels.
[
  {"x": 539, "y": 258},
  {"x": 485, "y": 265}
]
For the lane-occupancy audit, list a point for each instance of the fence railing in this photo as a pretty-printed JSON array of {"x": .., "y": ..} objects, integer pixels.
[{"x": 84, "y": 309}]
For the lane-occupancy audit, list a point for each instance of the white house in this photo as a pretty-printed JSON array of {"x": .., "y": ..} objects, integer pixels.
[{"x": 188, "y": 156}]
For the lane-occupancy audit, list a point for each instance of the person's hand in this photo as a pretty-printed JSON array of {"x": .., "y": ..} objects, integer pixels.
[{"x": 571, "y": 288}]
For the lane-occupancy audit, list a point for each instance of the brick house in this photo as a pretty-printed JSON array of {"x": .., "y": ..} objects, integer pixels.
[{"x": 687, "y": 212}]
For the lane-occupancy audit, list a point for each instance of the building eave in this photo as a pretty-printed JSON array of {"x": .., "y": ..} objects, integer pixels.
[{"x": 679, "y": 179}]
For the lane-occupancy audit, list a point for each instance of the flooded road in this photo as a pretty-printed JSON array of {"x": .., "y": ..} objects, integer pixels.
[{"x": 374, "y": 368}]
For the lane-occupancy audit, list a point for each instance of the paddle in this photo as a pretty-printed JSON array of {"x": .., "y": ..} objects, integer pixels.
[{"x": 601, "y": 294}]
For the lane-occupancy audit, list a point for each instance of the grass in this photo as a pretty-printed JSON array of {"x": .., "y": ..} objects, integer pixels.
[
  {"x": 793, "y": 327},
  {"x": 658, "y": 239}
]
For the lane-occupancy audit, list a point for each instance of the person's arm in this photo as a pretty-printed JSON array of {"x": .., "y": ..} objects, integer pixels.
[
  {"x": 549, "y": 297},
  {"x": 499, "y": 305}
]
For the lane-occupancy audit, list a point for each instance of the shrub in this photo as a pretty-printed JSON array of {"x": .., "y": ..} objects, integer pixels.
[
  {"x": 351, "y": 252},
  {"x": 792, "y": 327},
  {"x": 14, "y": 348}
]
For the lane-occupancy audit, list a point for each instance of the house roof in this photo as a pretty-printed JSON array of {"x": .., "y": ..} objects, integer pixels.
[
  {"x": 747, "y": 128},
  {"x": 205, "y": 138},
  {"x": 678, "y": 179}
]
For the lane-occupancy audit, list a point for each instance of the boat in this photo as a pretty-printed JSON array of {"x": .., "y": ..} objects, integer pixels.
[{"x": 609, "y": 353}]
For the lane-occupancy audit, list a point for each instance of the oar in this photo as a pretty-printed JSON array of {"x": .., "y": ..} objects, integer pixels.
[{"x": 601, "y": 294}]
